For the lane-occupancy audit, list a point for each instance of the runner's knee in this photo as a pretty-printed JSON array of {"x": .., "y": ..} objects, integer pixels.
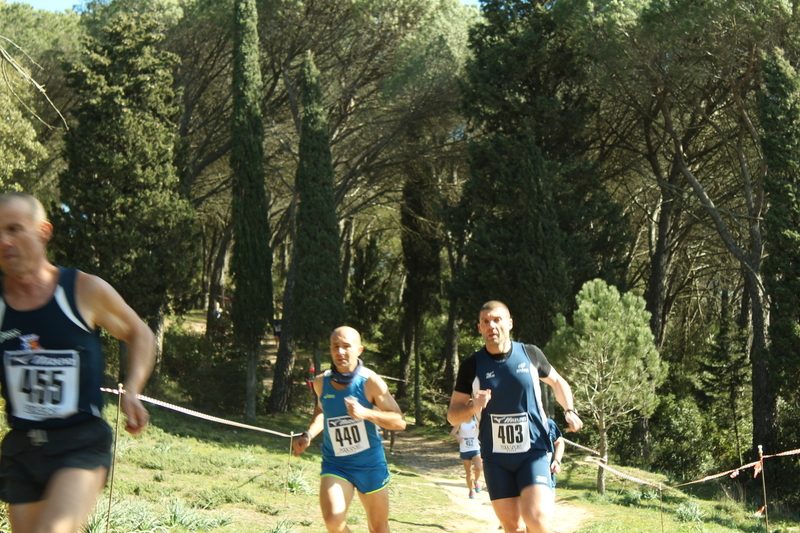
[
  {"x": 537, "y": 520},
  {"x": 335, "y": 522},
  {"x": 379, "y": 527}
]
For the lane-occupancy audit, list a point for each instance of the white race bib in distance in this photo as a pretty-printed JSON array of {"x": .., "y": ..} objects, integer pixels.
[
  {"x": 43, "y": 384},
  {"x": 510, "y": 433},
  {"x": 348, "y": 435}
]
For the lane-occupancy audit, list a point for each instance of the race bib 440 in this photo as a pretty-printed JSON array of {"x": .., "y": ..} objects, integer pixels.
[
  {"x": 348, "y": 435},
  {"x": 42, "y": 384}
]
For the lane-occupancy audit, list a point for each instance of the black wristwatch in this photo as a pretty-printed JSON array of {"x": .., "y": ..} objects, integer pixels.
[{"x": 573, "y": 411}]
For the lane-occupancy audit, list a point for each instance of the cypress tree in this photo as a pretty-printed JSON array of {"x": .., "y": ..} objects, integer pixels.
[
  {"x": 369, "y": 293},
  {"x": 121, "y": 215},
  {"x": 516, "y": 249},
  {"x": 317, "y": 293},
  {"x": 780, "y": 117},
  {"x": 526, "y": 89},
  {"x": 251, "y": 260},
  {"x": 422, "y": 243}
]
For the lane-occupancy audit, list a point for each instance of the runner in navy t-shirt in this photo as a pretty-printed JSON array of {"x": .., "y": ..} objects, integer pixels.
[{"x": 499, "y": 385}]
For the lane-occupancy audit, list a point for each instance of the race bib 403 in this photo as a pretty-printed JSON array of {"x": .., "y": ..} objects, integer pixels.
[{"x": 510, "y": 433}]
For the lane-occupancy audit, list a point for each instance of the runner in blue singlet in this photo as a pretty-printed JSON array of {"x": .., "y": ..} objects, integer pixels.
[{"x": 352, "y": 402}]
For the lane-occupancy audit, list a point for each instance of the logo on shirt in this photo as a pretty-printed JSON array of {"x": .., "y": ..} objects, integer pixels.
[
  {"x": 522, "y": 368},
  {"x": 30, "y": 342},
  {"x": 328, "y": 396},
  {"x": 10, "y": 334},
  {"x": 490, "y": 375}
]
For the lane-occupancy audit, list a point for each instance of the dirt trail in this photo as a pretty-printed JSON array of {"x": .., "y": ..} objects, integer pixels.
[{"x": 438, "y": 462}]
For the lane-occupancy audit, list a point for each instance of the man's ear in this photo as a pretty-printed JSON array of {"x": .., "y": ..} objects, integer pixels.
[
  {"x": 510, "y": 323},
  {"x": 46, "y": 231}
]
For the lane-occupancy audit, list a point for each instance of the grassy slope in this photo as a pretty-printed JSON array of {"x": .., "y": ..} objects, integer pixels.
[
  {"x": 186, "y": 474},
  {"x": 185, "y": 470},
  {"x": 242, "y": 479}
]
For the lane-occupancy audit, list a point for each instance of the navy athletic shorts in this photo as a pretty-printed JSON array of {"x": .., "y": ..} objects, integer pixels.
[
  {"x": 467, "y": 456},
  {"x": 507, "y": 474},
  {"x": 366, "y": 479},
  {"x": 30, "y": 458}
]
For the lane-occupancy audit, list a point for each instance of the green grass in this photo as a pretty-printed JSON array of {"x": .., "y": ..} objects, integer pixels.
[
  {"x": 629, "y": 507},
  {"x": 185, "y": 474}
]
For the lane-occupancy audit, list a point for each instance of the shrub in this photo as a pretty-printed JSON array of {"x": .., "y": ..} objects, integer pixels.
[
  {"x": 689, "y": 512},
  {"x": 679, "y": 433},
  {"x": 209, "y": 371}
]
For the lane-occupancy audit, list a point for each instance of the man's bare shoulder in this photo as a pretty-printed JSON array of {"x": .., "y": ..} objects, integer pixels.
[
  {"x": 88, "y": 282},
  {"x": 93, "y": 295}
]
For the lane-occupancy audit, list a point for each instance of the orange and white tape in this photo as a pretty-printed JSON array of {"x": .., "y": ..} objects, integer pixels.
[{"x": 579, "y": 446}]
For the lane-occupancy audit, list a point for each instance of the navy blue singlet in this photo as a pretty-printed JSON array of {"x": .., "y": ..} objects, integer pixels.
[
  {"x": 53, "y": 362},
  {"x": 514, "y": 420}
]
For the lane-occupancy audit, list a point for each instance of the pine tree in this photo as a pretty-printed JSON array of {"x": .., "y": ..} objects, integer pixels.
[
  {"x": 121, "y": 215},
  {"x": 251, "y": 261},
  {"x": 614, "y": 367},
  {"x": 724, "y": 374}
]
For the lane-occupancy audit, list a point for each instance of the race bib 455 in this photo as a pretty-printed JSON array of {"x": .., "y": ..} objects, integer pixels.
[{"x": 42, "y": 384}]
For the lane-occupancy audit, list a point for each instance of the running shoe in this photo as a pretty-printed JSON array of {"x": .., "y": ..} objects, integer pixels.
[
  {"x": 478, "y": 487},
  {"x": 472, "y": 495}
]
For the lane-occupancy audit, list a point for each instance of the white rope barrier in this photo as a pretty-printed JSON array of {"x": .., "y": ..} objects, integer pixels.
[
  {"x": 203, "y": 416},
  {"x": 579, "y": 446}
]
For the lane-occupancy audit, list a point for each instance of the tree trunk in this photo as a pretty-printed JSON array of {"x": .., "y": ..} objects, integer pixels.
[
  {"x": 765, "y": 405},
  {"x": 123, "y": 361},
  {"x": 280, "y": 395},
  {"x": 158, "y": 325},
  {"x": 216, "y": 285},
  {"x": 418, "y": 418},
  {"x": 317, "y": 360},
  {"x": 601, "y": 472},
  {"x": 251, "y": 383},
  {"x": 659, "y": 265},
  {"x": 450, "y": 349},
  {"x": 347, "y": 253},
  {"x": 661, "y": 255},
  {"x": 409, "y": 342}
]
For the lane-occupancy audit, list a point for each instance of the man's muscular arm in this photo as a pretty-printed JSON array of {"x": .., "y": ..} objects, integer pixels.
[
  {"x": 101, "y": 305},
  {"x": 563, "y": 393},
  {"x": 389, "y": 417}
]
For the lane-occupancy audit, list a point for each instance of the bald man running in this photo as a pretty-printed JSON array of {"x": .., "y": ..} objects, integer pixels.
[{"x": 352, "y": 453}]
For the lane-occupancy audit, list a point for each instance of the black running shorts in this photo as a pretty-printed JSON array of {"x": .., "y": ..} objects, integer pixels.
[{"x": 30, "y": 458}]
